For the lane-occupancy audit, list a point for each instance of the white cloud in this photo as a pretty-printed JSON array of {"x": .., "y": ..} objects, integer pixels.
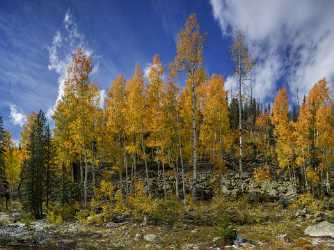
[
  {"x": 64, "y": 43},
  {"x": 231, "y": 86},
  {"x": 102, "y": 98},
  {"x": 17, "y": 117},
  {"x": 293, "y": 40},
  {"x": 147, "y": 70}
]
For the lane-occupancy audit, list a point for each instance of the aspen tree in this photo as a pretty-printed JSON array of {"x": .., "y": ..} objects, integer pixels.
[{"x": 189, "y": 58}]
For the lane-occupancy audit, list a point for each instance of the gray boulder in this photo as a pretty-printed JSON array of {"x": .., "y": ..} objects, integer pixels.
[
  {"x": 150, "y": 237},
  {"x": 4, "y": 219},
  {"x": 322, "y": 229}
]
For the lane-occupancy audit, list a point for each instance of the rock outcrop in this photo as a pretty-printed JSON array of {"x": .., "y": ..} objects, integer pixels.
[
  {"x": 234, "y": 185},
  {"x": 322, "y": 229}
]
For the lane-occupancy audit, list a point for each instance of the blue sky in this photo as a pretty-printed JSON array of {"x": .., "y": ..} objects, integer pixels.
[
  {"x": 292, "y": 42},
  {"x": 119, "y": 34}
]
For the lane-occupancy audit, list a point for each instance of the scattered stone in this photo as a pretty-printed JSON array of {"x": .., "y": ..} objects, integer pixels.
[
  {"x": 150, "y": 237},
  {"x": 254, "y": 197},
  {"x": 319, "y": 217},
  {"x": 119, "y": 218},
  {"x": 301, "y": 213},
  {"x": 67, "y": 244},
  {"x": 16, "y": 216},
  {"x": 241, "y": 242},
  {"x": 215, "y": 239},
  {"x": 4, "y": 219},
  {"x": 138, "y": 237},
  {"x": 322, "y": 229},
  {"x": 190, "y": 246},
  {"x": 284, "y": 238}
]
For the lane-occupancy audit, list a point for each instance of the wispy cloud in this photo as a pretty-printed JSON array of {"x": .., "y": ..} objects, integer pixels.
[
  {"x": 147, "y": 69},
  {"x": 17, "y": 117},
  {"x": 102, "y": 97},
  {"x": 64, "y": 43},
  {"x": 290, "y": 40}
]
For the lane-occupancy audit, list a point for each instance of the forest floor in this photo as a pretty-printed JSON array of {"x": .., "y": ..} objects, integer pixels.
[{"x": 261, "y": 226}]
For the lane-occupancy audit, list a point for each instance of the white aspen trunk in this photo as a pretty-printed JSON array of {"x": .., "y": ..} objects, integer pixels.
[
  {"x": 194, "y": 131},
  {"x": 163, "y": 178},
  {"x": 145, "y": 162},
  {"x": 85, "y": 182},
  {"x": 240, "y": 115}
]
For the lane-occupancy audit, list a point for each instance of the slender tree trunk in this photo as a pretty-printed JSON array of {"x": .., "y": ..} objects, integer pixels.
[
  {"x": 121, "y": 183},
  {"x": 81, "y": 180},
  {"x": 194, "y": 130},
  {"x": 305, "y": 177},
  {"x": 182, "y": 164},
  {"x": 158, "y": 164},
  {"x": 290, "y": 175},
  {"x": 176, "y": 171},
  {"x": 93, "y": 178},
  {"x": 126, "y": 175},
  {"x": 177, "y": 181},
  {"x": 47, "y": 186},
  {"x": 63, "y": 185},
  {"x": 240, "y": 116},
  {"x": 85, "y": 182},
  {"x": 163, "y": 178},
  {"x": 328, "y": 185},
  {"x": 132, "y": 173},
  {"x": 145, "y": 162}
]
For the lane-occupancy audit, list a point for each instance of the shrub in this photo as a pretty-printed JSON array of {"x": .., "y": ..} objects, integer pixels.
[
  {"x": 262, "y": 174},
  {"x": 327, "y": 203},
  {"x": 166, "y": 212},
  {"x": 306, "y": 200},
  {"x": 26, "y": 218},
  {"x": 224, "y": 229},
  {"x": 58, "y": 213},
  {"x": 141, "y": 204},
  {"x": 54, "y": 218}
]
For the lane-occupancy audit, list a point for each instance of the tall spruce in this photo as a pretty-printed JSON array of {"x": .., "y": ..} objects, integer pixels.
[
  {"x": 3, "y": 182},
  {"x": 36, "y": 165}
]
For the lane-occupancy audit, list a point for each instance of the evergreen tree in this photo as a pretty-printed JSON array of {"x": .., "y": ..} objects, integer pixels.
[
  {"x": 4, "y": 189},
  {"x": 35, "y": 168},
  {"x": 2, "y": 154}
]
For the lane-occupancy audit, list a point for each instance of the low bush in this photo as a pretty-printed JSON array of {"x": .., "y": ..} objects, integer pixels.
[
  {"x": 166, "y": 212},
  {"x": 225, "y": 230},
  {"x": 305, "y": 201}
]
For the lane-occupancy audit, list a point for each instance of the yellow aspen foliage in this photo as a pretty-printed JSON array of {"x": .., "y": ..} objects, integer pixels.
[
  {"x": 189, "y": 58},
  {"x": 154, "y": 103},
  {"x": 215, "y": 121},
  {"x": 135, "y": 110},
  {"x": 25, "y": 134},
  {"x": 283, "y": 129},
  {"x": 13, "y": 162},
  {"x": 262, "y": 174},
  {"x": 115, "y": 122}
]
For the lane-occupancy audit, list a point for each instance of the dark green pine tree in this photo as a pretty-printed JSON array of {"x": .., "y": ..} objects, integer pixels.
[
  {"x": 234, "y": 113},
  {"x": 51, "y": 181},
  {"x": 36, "y": 169},
  {"x": 3, "y": 182}
]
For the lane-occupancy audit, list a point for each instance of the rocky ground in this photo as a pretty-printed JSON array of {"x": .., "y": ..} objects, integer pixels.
[
  {"x": 301, "y": 231},
  {"x": 268, "y": 215}
]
